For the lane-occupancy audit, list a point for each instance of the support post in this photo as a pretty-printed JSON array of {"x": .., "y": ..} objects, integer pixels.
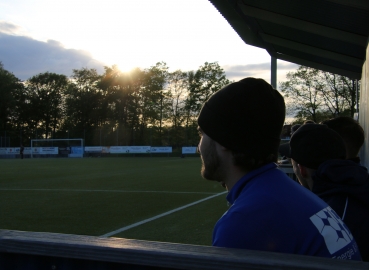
[
  {"x": 357, "y": 95},
  {"x": 273, "y": 72}
]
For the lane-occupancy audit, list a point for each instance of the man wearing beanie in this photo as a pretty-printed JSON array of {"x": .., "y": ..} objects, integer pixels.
[
  {"x": 240, "y": 129},
  {"x": 318, "y": 158}
]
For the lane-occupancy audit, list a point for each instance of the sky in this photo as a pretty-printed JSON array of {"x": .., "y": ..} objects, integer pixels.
[{"x": 39, "y": 36}]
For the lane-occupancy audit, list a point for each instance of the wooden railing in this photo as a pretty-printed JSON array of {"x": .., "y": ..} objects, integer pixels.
[{"x": 35, "y": 250}]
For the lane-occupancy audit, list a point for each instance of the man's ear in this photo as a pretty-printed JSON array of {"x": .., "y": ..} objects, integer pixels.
[{"x": 303, "y": 171}]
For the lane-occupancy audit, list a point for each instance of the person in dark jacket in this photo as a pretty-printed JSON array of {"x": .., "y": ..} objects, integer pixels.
[
  {"x": 318, "y": 157},
  {"x": 21, "y": 150}
]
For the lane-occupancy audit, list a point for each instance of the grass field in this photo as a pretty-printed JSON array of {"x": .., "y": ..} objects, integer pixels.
[{"x": 98, "y": 196}]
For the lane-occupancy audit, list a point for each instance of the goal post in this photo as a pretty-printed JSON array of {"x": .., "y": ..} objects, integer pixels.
[{"x": 57, "y": 148}]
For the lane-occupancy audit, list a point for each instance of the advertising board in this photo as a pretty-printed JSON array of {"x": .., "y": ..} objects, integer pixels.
[
  {"x": 189, "y": 150},
  {"x": 161, "y": 149}
]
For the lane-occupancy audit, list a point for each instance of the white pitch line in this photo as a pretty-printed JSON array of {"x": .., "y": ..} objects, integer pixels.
[
  {"x": 103, "y": 190},
  {"x": 159, "y": 216}
]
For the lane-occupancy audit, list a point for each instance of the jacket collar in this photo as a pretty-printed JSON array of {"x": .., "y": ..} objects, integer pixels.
[{"x": 238, "y": 187}]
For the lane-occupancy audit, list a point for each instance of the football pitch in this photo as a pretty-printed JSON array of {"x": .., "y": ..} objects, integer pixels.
[{"x": 148, "y": 198}]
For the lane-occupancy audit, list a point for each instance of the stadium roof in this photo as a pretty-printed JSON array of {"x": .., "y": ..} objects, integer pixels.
[{"x": 331, "y": 35}]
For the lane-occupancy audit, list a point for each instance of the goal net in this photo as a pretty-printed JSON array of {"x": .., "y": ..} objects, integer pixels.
[{"x": 57, "y": 148}]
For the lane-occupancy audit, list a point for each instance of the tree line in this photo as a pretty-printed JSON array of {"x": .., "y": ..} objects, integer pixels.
[
  {"x": 149, "y": 106},
  {"x": 317, "y": 95}
]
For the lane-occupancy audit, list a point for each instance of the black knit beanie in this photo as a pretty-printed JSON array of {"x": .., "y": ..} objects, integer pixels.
[
  {"x": 246, "y": 117},
  {"x": 313, "y": 144}
]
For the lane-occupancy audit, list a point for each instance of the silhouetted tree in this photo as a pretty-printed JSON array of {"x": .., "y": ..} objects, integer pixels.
[
  {"x": 45, "y": 102},
  {"x": 313, "y": 94},
  {"x": 11, "y": 99}
]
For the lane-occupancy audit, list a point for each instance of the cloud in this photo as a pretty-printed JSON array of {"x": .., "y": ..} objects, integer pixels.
[
  {"x": 26, "y": 57},
  {"x": 11, "y": 29},
  {"x": 242, "y": 71},
  {"x": 282, "y": 65},
  {"x": 261, "y": 70}
]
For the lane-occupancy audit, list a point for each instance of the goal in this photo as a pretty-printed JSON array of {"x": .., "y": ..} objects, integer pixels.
[{"x": 57, "y": 148}]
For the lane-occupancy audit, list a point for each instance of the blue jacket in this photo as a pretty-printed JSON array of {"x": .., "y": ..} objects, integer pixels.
[
  {"x": 344, "y": 186},
  {"x": 271, "y": 212}
]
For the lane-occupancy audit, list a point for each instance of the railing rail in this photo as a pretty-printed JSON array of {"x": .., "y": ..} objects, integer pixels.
[{"x": 36, "y": 250}]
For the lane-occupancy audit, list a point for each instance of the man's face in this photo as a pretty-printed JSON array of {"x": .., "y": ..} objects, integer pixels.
[{"x": 211, "y": 163}]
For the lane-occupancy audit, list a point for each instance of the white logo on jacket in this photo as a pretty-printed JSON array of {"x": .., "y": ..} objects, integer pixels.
[{"x": 331, "y": 227}]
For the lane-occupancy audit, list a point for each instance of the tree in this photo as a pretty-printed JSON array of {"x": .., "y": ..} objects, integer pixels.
[
  {"x": 11, "y": 93},
  {"x": 155, "y": 97},
  {"x": 316, "y": 95},
  {"x": 339, "y": 95},
  {"x": 177, "y": 87},
  {"x": 119, "y": 87},
  {"x": 303, "y": 89},
  {"x": 129, "y": 99},
  {"x": 86, "y": 106},
  {"x": 45, "y": 93}
]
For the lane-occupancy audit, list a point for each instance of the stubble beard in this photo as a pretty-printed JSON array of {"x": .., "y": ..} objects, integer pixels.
[{"x": 211, "y": 164}]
